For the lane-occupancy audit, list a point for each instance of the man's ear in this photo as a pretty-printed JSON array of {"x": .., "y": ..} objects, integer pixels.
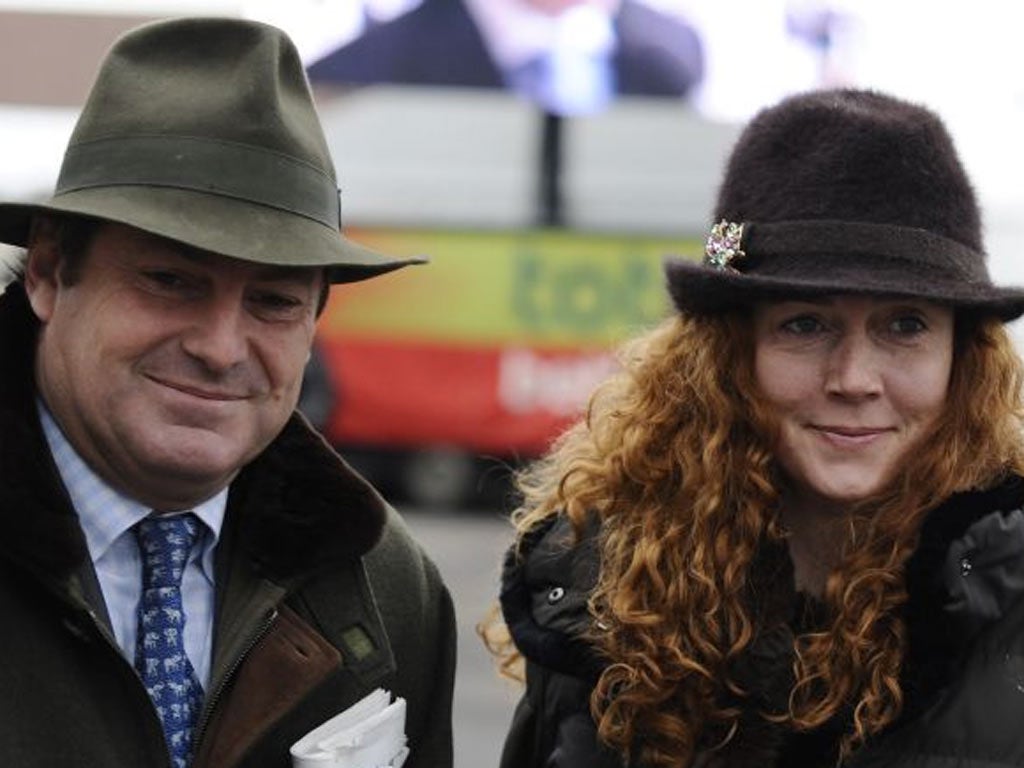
[{"x": 42, "y": 267}]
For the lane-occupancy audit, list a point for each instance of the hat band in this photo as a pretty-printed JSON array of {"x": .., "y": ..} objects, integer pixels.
[
  {"x": 214, "y": 167},
  {"x": 917, "y": 247}
]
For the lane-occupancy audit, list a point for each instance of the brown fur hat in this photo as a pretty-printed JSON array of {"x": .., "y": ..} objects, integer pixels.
[{"x": 843, "y": 191}]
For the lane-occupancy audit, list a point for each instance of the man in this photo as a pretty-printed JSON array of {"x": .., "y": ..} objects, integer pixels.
[
  {"x": 188, "y": 574},
  {"x": 568, "y": 56}
]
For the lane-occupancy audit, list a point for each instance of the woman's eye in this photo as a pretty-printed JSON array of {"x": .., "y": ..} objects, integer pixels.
[
  {"x": 803, "y": 325},
  {"x": 907, "y": 325}
]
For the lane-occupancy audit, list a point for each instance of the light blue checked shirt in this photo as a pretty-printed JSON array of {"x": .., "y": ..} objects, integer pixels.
[{"x": 107, "y": 518}]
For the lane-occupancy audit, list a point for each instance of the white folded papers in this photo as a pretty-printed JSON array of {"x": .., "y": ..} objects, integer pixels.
[{"x": 369, "y": 734}]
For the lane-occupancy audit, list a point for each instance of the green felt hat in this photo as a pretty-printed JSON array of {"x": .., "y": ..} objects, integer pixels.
[{"x": 203, "y": 130}]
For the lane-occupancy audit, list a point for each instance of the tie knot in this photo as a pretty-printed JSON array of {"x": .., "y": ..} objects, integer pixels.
[{"x": 165, "y": 544}]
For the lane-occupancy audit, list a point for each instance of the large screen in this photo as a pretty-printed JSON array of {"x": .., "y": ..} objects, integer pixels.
[{"x": 725, "y": 57}]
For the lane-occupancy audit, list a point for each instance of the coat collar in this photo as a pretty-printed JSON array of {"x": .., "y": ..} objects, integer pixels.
[
  {"x": 936, "y": 643},
  {"x": 547, "y": 556},
  {"x": 301, "y": 506}
]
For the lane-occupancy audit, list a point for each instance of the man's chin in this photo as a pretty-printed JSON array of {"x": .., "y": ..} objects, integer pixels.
[{"x": 187, "y": 477}]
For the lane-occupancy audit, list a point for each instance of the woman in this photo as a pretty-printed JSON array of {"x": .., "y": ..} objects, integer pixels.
[{"x": 790, "y": 533}]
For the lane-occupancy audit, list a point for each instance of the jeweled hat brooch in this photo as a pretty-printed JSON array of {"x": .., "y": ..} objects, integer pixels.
[{"x": 724, "y": 245}]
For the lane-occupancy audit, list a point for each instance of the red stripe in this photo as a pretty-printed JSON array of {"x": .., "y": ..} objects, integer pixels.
[{"x": 504, "y": 401}]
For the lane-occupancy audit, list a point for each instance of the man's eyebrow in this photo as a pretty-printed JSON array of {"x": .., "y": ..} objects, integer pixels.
[
  {"x": 292, "y": 274},
  {"x": 305, "y": 275}
]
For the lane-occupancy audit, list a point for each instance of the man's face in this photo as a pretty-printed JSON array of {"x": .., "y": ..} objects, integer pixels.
[{"x": 168, "y": 369}]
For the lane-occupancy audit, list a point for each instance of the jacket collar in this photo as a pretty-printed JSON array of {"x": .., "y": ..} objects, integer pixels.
[
  {"x": 936, "y": 644},
  {"x": 303, "y": 507}
]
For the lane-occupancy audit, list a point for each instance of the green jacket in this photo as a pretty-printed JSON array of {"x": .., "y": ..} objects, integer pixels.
[{"x": 322, "y": 596}]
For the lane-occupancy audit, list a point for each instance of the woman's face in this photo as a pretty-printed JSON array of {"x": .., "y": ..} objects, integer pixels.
[{"x": 855, "y": 382}]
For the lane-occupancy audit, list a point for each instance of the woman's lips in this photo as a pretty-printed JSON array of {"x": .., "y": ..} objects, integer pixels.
[{"x": 851, "y": 437}]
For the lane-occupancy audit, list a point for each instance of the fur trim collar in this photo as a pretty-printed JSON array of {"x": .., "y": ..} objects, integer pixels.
[{"x": 300, "y": 506}]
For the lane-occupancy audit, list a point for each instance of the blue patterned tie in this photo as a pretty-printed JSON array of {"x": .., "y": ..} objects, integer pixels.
[{"x": 160, "y": 658}]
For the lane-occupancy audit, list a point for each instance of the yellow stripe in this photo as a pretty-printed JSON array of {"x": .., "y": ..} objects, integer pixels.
[{"x": 537, "y": 287}]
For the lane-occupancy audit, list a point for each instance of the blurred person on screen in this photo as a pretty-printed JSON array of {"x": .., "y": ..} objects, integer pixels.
[{"x": 568, "y": 56}]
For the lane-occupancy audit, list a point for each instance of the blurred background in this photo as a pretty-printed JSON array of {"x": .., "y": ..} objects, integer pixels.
[{"x": 545, "y": 155}]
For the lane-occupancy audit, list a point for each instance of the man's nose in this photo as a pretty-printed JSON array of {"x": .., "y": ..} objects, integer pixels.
[
  {"x": 218, "y": 337},
  {"x": 853, "y": 367}
]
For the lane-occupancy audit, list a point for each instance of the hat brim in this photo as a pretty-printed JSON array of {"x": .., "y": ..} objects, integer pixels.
[
  {"x": 226, "y": 226},
  {"x": 701, "y": 289}
]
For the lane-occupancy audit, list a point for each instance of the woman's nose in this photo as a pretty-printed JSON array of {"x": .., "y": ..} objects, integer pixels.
[{"x": 853, "y": 367}]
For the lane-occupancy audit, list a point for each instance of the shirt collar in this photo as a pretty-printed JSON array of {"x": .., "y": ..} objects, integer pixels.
[{"x": 104, "y": 513}]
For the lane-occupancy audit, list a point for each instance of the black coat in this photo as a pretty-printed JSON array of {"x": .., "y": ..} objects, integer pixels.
[
  {"x": 439, "y": 44},
  {"x": 963, "y": 676}
]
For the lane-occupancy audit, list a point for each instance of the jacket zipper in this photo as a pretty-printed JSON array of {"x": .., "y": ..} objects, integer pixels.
[
  {"x": 108, "y": 640},
  {"x": 215, "y": 696}
]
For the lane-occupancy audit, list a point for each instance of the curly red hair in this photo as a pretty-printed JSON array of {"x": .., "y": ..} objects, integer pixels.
[{"x": 675, "y": 457}]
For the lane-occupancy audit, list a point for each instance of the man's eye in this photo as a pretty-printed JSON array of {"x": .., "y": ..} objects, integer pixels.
[
  {"x": 275, "y": 301},
  {"x": 802, "y": 325},
  {"x": 163, "y": 279}
]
